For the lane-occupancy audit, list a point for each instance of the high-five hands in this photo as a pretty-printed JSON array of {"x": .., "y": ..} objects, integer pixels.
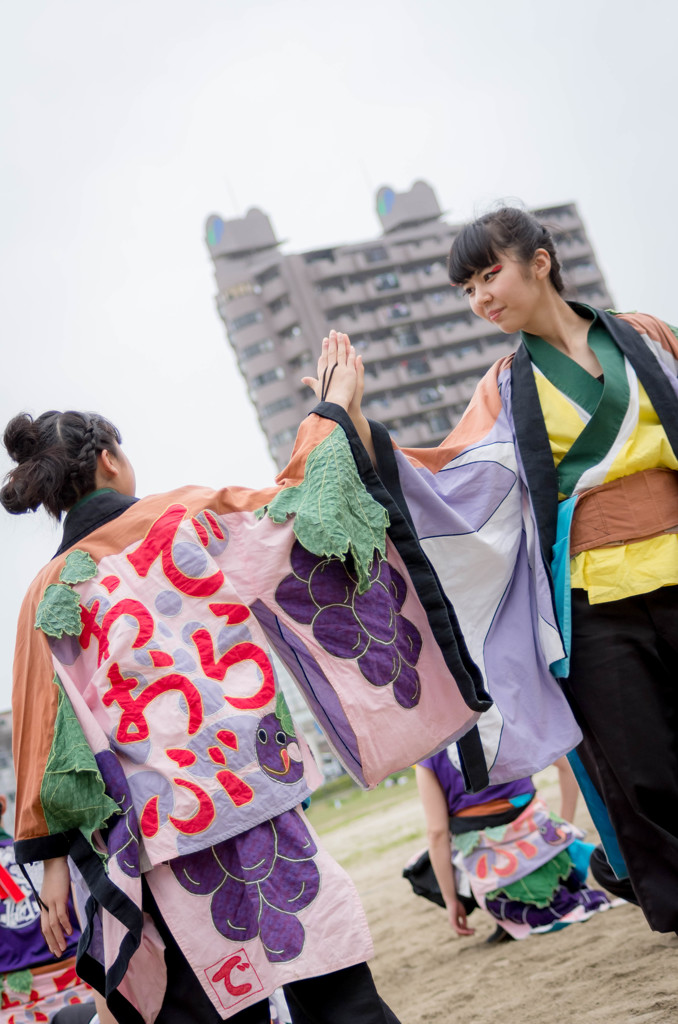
[{"x": 340, "y": 373}]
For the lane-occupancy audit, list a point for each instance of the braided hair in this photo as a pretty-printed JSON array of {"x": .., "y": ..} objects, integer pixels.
[
  {"x": 56, "y": 456},
  {"x": 509, "y": 228}
]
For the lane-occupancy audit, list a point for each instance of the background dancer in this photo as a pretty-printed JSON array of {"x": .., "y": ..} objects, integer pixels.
[{"x": 528, "y": 873}]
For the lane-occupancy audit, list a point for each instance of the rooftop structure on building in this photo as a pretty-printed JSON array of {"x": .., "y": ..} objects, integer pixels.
[{"x": 424, "y": 351}]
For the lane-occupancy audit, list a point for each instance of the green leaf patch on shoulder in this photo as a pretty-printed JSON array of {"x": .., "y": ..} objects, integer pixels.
[
  {"x": 333, "y": 511},
  {"x": 79, "y": 566},
  {"x": 59, "y": 611},
  {"x": 73, "y": 794}
]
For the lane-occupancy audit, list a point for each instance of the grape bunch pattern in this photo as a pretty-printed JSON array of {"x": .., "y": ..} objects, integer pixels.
[
  {"x": 323, "y": 593},
  {"x": 258, "y": 882}
]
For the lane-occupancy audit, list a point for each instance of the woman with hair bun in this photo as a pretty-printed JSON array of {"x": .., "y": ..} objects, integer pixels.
[
  {"x": 152, "y": 745},
  {"x": 550, "y": 514}
]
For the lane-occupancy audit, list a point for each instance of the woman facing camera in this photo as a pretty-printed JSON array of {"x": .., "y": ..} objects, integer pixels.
[{"x": 550, "y": 516}]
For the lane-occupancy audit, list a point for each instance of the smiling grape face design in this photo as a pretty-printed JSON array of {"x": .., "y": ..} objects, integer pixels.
[
  {"x": 275, "y": 758},
  {"x": 369, "y": 627}
]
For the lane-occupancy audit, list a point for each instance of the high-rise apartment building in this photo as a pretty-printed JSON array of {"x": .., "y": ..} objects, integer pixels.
[{"x": 423, "y": 349}]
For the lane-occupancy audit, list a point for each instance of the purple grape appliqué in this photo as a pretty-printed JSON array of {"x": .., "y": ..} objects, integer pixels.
[
  {"x": 257, "y": 883},
  {"x": 369, "y": 627}
]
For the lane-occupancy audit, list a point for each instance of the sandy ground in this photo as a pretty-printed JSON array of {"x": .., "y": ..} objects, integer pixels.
[{"x": 609, "y": 970}]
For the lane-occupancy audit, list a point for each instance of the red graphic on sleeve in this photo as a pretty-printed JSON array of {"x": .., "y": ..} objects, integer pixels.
[
  {"x": 228, "y": 738},
  {"x": 184, "y": 758},
  {"x": 90, "y": 626},
  {"x": 234, "y": 613},
  {"x": 149, "y": 822},
  {"x": 203, "y": 535},
  {"x": 158, "y": 544},
  {"x": 233, "y": 979},
  {"x": 239, "y": 792},
  {"x": 133, "y": 726},
  {"x": 238, "y": 653},
  {"x": 111, "y": 583},
  {"x": 214, "y": 525},
  {"x": 136, "y": 610},
  {"x": 203, "y": 817}
]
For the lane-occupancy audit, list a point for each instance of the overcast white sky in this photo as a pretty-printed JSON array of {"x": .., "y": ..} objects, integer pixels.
[{"x": 124, "y": 125}]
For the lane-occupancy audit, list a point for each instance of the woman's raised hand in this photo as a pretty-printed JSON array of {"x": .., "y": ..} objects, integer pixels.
[{"x": 340, "y": 372}]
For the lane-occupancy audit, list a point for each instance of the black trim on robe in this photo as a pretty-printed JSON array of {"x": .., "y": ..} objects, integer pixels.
[
  {"x": 88, "y": 517},
  {"x": 106, "y": 895},
  {"x": 439, "y": 610},
  {"x": 43, "y": 847}
]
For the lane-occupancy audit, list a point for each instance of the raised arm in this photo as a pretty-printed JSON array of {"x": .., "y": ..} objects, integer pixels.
[
  {"x": 440, "y": 846},
  {"x": 338, "y": 343}
]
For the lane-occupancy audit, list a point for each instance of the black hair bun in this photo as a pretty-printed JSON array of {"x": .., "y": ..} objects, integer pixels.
[{"x": 21, "y": 438}]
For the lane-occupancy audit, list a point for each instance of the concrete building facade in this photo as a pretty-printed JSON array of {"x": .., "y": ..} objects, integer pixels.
[{"x": 424, "y": 351}]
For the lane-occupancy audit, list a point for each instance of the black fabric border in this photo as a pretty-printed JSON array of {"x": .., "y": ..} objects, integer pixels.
[
  {"x": 470, "y": 746},
  {"x": 477, "y": 822},
  {"x": 649, "y": 371},
  {"x": 106, "y": 895},
  {"x": 43, "y": 847},
  {"x": 96, "y": 512},
  {"x": 439, "y": 611},
  {"x": 535, "y": 452}
]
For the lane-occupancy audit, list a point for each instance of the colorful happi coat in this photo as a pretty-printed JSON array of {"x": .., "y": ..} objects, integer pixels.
[
  {"x": 151, "y": 740},
  {"x": 485, "y": 506}
]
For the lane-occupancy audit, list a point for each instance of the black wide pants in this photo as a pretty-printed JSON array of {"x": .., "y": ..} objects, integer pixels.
[{"x": 623, "y": 689}]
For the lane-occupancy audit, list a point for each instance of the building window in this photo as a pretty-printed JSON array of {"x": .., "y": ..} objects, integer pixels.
[
  {"x": 407, "y": 337},
  {"x": 429, "y": 396},
  {"x": 399, "y": 311},
  {"x": 275, "y": 373},
  {"x": 320, "y": 254},
  {"x": 268, "y": 275},
  {"x": 467, "y": 350},
  {"x": 292, "y": 332},
  {"x": 256, "y": 349},
  {"x": 375, "y": 255},
  {"x": 238, "y": 322},
  {"x": 417, "y": 367},
  {"x": 386, "y": 282},
  {"x": 275, "y": 407},
  {"x": 439, "y": 422},
  {"x": 303, "y": 359},
  {"x": 284, "y": 436},
  {"x": 280, "y": 303},
  {"x": 374, "y": 401}
]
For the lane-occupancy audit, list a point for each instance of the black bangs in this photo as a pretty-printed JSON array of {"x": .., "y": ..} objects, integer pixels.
[{"x": 472, "y": 250}]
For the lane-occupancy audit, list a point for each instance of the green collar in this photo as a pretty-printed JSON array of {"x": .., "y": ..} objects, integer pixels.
[{"x": 606, "y": 401}]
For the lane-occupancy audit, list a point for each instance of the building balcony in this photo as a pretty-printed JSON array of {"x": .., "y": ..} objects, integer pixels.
[
  {"x": 436, "y": 276},
  {"x": 585, "y": 274},
  {"x": 340, "y": 265}
]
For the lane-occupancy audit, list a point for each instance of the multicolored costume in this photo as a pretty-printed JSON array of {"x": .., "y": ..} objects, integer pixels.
[
  {"x": 516, "y": 854},
  {"x": 152, "y": 744},
  {"x": 33, "y": 987},
  {"x": 548, "y": 463}
]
